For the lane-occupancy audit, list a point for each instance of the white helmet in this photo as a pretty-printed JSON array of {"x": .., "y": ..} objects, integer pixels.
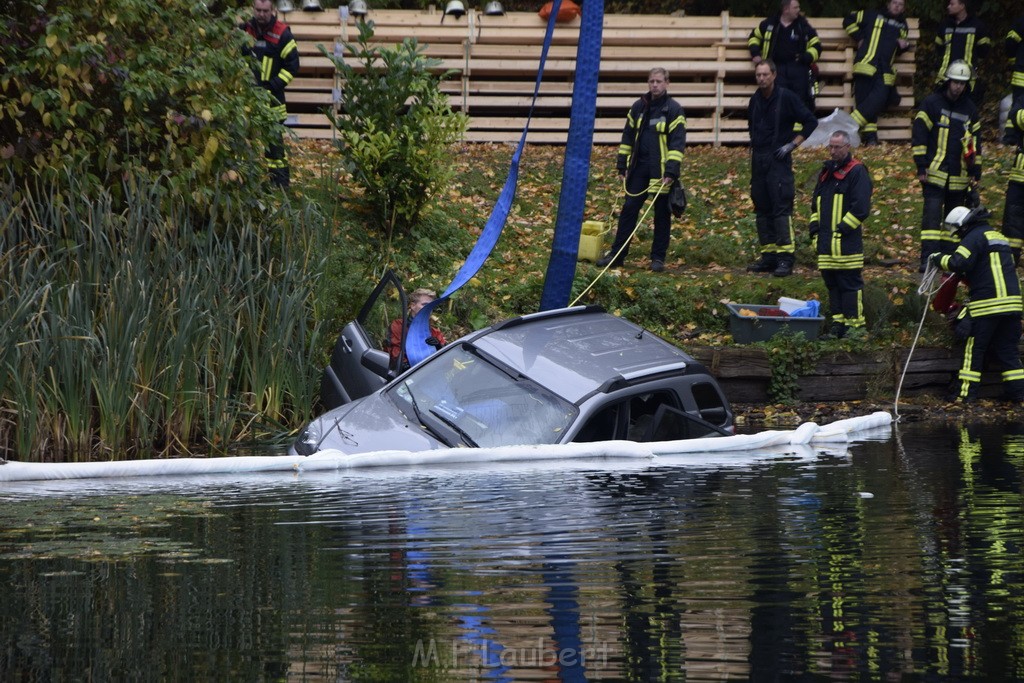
[
  {"x": 961, "y": 218},
  {"x": 956, "y": 217},
  {"x": 959, "y": 70}
]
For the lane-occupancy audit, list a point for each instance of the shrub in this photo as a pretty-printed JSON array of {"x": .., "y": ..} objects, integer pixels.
[
  {"x": 108, "y": 90},
  {"x": 396, "y": 128}
]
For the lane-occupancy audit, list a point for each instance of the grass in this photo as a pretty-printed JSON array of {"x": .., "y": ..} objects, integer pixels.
[{"x": 710, "y": 246}]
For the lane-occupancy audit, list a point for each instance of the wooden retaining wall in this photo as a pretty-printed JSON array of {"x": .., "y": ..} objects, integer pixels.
[
  {"x": 744, "y": 373},
  {"x": 495, "y": 59}
]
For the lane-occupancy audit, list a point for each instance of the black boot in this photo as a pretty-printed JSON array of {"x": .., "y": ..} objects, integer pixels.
[
  {"x": 610, "y": 258},
  {"x": 836, "y": 330},
  {"x": 869, "y": 139},
  {"x": 766, "y": 264},
  {"x": 785, "y": 266}
]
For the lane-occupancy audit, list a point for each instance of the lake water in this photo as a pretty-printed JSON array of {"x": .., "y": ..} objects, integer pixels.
[{"x": 895, "y": 559}]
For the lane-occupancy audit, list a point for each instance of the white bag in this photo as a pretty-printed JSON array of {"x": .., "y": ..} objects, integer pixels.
[{"x": 836, "y": 121}]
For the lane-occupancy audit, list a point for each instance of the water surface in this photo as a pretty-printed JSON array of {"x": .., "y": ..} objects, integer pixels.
[{"x": 896, "y": 559}]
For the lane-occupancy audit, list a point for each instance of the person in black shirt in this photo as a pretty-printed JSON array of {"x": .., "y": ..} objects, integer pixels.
[{"x": 778, "y": 122}]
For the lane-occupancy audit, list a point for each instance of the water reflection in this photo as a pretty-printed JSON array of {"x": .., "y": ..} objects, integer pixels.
[{"x": 897, "y": 558}]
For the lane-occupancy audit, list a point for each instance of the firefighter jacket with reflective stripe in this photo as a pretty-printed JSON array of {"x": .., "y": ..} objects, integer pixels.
[
  {"x": 656, "y": 131},
  {"x": 765, "y": 39},
  {"x": 1017, "y": 121},
  {"x": 839, "y": 206},
  {"x": 945, "y": 140},
  {"x": 775, "y": 120},
  {"x": 1015, "y": 52},
  {"x": 983, "y": 257},
  {"x": 969, "y": 40},
  {"x": 878, "y": 34},
  {"x": 275, "y": 58}
]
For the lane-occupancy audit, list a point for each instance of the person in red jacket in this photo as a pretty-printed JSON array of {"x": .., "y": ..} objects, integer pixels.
[
  {"x": 275, "y": 62},
  {"x": 417, "y": 300}
]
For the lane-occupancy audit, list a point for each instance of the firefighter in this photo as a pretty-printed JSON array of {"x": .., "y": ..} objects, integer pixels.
[
  {"x": 275, "y": 62},
  {"x": 965, "y": 37},
  {"x": 1013, "y": 209},
  {"x": 983, "y": 258},
  {"x": 777, "y": 122},
  {"x": 790, "y": 41},
  {"x": 1015, "y": 53},
  {"x": 881, "y": 37},
  {"x": 649, "y": 161},
  {"x": 947, "y": 153},
  {"x": 839, "y": 206}
]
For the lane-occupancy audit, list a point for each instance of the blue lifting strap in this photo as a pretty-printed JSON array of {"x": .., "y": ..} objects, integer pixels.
[
  {"x": 416, "y": 347},
  {"x": 576, "y": 171}
]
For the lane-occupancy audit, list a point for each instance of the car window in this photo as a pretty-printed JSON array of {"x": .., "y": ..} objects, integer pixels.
[
  {"x": 468, "y": 394},
  {"x": 710, "y": 403},
  {"x": 631, "y": 418}
]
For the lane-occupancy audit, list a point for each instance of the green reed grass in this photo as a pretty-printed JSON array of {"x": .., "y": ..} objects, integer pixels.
[{"x": 132, "y": 333}]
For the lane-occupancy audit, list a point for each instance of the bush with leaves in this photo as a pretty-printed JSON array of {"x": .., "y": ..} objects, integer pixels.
[
  {"x": 395, "y": 129},
  {"x": 108, "y": 89}
]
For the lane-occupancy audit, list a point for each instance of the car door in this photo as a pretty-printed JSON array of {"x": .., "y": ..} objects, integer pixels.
[{"x": 361, "y": 361}]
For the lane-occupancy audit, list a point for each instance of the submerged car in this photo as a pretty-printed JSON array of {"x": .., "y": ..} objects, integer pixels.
[{"x": 561, "y": 376}]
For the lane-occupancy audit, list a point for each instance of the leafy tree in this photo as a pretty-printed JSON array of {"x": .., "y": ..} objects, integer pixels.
[
  {"x": 396, "y": 128},
  {"x": 110, "y": 89}
]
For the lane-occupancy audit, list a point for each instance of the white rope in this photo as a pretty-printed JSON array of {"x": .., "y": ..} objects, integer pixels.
[
  {"x": 928, "y": 288},
  {"x": 615, "y": 257}
]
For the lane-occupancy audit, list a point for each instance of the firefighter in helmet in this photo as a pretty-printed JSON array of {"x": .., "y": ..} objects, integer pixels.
[
  {"x": 983, "y": 258},
  {"x": 947, "y": 153}
]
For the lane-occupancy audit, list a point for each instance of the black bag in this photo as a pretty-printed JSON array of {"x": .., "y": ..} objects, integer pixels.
[{"x": 677, "y": 199}]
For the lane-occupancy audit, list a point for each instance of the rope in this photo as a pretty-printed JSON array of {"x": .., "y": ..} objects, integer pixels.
[
  {"x": 927, "y": 289},
  {"x": 640, "y": 222}
]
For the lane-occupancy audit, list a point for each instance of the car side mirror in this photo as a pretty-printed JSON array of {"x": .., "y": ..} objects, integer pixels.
[{"x": 378, "y": 362}]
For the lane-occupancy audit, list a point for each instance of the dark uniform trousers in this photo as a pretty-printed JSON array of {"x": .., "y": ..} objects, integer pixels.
[
  {"x": 637, "y": 185},
  {"x": 872, "y": 96},
  {"x": 938, "y": 202},
  {"x": 771, "y": 189},
  {"x": 1000, "y": 336}
]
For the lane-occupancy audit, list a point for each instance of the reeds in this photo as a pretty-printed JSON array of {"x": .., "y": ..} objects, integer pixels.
[{"x": 131, "y": 333}]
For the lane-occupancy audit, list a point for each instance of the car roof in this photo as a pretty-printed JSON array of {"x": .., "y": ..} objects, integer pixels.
[{"x": 577, "y": 351}]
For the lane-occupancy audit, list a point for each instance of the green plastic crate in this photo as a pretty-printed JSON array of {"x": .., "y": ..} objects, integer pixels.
[{"x": 749, "y": 329}]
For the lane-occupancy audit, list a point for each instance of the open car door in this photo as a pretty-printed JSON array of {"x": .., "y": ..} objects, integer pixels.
[{"x": 361, "y": 362}]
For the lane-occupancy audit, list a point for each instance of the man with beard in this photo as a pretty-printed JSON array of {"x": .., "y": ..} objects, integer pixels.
[
  {"x": 778, "y": 122},
  {"x": 946, "y": 148},
  {"x": 275, "y": 62}
]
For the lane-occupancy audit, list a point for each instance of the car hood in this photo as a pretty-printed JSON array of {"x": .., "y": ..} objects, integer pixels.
[{"x": 370, "y": 424}]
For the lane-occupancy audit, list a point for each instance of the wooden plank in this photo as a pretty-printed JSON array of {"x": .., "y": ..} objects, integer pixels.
[{"x": 713, "y": 77}]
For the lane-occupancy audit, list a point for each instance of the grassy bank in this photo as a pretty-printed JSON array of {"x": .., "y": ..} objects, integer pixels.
[{"x": 710, "y": 247}]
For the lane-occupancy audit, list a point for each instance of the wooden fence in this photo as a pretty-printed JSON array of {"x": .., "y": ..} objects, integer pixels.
[{"x": 496, "y": 60}]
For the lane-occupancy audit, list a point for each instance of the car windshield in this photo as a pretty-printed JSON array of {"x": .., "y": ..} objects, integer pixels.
[{"x": 481, "y": 403}]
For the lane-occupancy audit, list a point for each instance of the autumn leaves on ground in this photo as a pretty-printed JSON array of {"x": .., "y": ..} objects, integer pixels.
[{"x": 710, "y": 247}]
